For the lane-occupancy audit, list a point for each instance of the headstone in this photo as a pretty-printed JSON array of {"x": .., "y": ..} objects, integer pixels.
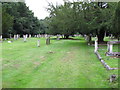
[
  {"x": 111, "y": 47},
  {"x": 0, "y": 38},
  {"x": 35, "y": 36},
  {"x": 112, "y": 78},
  {"x": 58, "y": 37},
  {"x": 48, "y": 41},
  {"x": 9, "y": 41},
  {"x": 24, "y": 37},
  {"x": 15, "y": 37},
  {"x": 96, "y": 46},
  {"x": 29, "y": 35},
  {"x": 38, "y": 43}
]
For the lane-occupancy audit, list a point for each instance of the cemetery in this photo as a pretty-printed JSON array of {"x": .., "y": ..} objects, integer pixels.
[
  {"x": 24, "y": 62},
  {"x": 75, "y": 46}
]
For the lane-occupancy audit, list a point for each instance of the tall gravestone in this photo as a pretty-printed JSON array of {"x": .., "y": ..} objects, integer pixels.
[
  {"x": 47, "y": 40},
  {"x": 96, "y": 46}
]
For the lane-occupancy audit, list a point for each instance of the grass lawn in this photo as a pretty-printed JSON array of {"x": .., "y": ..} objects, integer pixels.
[{"x": 62, "y": 64}]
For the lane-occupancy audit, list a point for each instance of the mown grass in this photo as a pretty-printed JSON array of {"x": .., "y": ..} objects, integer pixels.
[{"x": 62, "y": 64}]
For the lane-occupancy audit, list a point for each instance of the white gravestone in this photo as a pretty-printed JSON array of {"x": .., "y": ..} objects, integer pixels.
[
  {"x": 29, "y": 35},
  {"x": 96, "y": 46},
  {"x": 24, "y": 37}
]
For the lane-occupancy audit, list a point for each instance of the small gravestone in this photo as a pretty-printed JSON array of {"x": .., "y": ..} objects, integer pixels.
[
  {"x": 9, "y": 41},
  {"x": 112, "y": 78},
  {"x": 38, "y": 43},
  {"x": 37, "y": 36},
  {"x": 48, "y": 41},
  {"x": 17, "y": 36},
  {"x": 0, "y": 37},
  {"x": 24, "y": 38},
  {"x": 58, "y": 37},
  {"x": 29, "y": 35}
]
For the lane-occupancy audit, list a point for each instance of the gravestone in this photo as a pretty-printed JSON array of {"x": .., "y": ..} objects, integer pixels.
[
  {"x": 48, "y": 41},
  {"x": 96, "y": 46},
  {"x": 38, "y": 43},
  {"x": 58, "y": 37},
  {"x": 29, "y": 35},
  {"x": 0, "y": 38},
  {"x": 37, "y": 36},
  {"x": 110, "y": 48},
  {"x": 15, "y": 37},
  {"x": 9, "y": 41},
  {"x": 24, "y": 38}
]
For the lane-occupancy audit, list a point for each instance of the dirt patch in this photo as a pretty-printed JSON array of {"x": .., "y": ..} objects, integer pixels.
[
  {"x": 68, "y": 56},
  {"x": 16, "y": 65},
  {"x": 50, "y": 52}
]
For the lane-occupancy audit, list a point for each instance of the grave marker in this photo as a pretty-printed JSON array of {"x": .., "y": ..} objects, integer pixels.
[
  {"x": 24, "y": 37},
  {"x": 38, "y": 43},
  {"x": 96, "y": 46},
  {"x": 48, "y": 41}
]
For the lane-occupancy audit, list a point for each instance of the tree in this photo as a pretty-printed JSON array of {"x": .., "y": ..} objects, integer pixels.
[
  {"x": 7, "y": 22},
  {"x": 116, "y": 22},
  {"x": 61, "y": 18}
]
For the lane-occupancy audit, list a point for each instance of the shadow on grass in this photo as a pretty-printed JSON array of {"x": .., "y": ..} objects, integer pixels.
[{"x": 66, "y": 39}]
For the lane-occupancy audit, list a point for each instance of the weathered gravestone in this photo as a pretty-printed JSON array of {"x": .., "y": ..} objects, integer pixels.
[
  {"x": 24, "y": 38},
  {"x": 110, "y": 48},
  {"x": 58, "y": 37},
  {"x": 0, "y": 38},
  {"x": 48, "y": 41},
  {"x": 15, "y": 37},
  {"x": 38, "y": 43},
  {"x": 29, "y": 35}
]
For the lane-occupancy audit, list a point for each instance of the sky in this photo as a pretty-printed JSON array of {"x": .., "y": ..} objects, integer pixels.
[{"x": 39, "y": 7}]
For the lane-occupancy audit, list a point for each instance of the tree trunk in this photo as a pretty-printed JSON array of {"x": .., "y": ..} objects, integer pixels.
[
  {"x": 66, "y": 36},
  {"x": 100, "y": 36}
]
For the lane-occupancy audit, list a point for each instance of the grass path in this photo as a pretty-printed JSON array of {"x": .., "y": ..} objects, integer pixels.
[{"x": 62, "y": 64}]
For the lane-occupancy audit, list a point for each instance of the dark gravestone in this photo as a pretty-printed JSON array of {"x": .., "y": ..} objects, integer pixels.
[{"x": 48, "y": 41}]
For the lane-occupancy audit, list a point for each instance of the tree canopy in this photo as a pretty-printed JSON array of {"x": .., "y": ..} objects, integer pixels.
[{"x": 93, "y": 18}]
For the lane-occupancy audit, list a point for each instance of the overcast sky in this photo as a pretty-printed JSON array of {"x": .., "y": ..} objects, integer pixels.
[{"x": 38, "y": 6}]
